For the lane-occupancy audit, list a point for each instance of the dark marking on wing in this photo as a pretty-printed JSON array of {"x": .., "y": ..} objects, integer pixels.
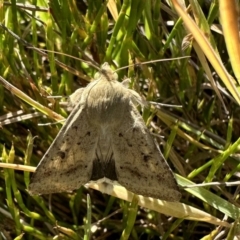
[
  {"x": 75, "y": 128},
  {"x": 103, "y": 169},
  {"x": 129, "y": 144},
  {"x": 146, "y": 158},
  {"x": 61, "y": 154},
  {"x": 97, "y": 170}
]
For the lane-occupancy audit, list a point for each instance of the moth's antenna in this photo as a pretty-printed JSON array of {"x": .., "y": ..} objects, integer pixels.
[
  {"x": 70, "y": 56},
  {"x": 152, "y": 61},
  {"x": 159, "y": 105},
  {"x": 43, "y": 53}
]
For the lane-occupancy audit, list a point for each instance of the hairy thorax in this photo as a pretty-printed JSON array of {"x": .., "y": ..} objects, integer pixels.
[{"x": 106, "y": 103}]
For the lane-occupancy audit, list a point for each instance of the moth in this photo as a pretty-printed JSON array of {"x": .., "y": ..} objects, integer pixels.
[{"x": 105, "y": 137}]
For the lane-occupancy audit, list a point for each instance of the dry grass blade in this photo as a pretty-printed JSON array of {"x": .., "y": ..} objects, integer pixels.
[{"x": 228, "y": 14}]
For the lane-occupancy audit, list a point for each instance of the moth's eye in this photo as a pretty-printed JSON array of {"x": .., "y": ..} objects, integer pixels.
[{"x": 96, "y": 75}]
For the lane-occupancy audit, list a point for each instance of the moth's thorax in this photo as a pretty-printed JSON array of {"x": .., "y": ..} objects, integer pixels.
[{"x": 106, "y": 102}]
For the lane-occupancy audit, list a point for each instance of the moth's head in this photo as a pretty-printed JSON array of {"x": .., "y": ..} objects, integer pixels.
[{"x": 106, "y": 72}]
